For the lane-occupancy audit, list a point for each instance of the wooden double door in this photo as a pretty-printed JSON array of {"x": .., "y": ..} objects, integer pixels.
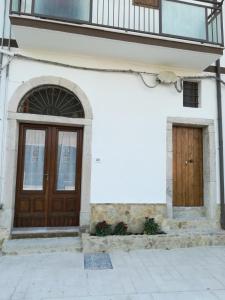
[
  {"x": 187, "y": 166},
  {"x": 48, "y": 176}
]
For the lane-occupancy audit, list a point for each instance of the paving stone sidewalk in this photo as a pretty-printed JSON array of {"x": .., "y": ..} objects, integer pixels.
[{"x": 182, "y": 274}]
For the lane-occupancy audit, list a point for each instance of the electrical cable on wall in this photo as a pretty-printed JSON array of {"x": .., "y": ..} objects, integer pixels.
[
  {"x": 180, "y": 87},
  {"x": 178, "y": 84},
  {"x": 147, "y": 84}
]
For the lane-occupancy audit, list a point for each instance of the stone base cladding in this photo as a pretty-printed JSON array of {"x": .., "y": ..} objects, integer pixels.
[
  {"x": 93, "y": 244},
  {"x": 4, "y": 234},
  {"x": 218, "y": 215},
  {"x": 132, "y": 214}
]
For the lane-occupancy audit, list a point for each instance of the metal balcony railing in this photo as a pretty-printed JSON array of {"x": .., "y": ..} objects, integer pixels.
[{"x": 193, "y": 20}]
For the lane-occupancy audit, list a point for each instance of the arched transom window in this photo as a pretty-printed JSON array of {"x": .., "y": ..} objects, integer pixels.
[{"x": 51, "y": 100}]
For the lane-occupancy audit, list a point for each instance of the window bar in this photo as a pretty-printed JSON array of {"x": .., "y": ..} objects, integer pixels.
[
  {"x": 24, "y": 6},
  {"x": 144, "y": 18},
  {"x": 139, "y": 17},
  {"x": 20, "y": 6},
  {"x": 124, "y": 15},
  {"x": 217, "y": 39},
  {"x": 34, "y": 103},
  {"x": 52, "y": 100},
  {"x": 221, "y": 28},
  {"x": 103, "y": 11},
  {"x": 129, "y": 13},
  {"x": 32, "y": 8},
  {"x": 113, "y": 12},
  {"x": 44, "y": 99},
  {"x": 108, "y": 12},
  {"x": 91, "y": 12},
  {"x": 149, "y": 20},
  {"x": 212, "y": 26},
  {"x": 207, "y": 25},
  {"x": 160, "y": 16},
  {"x": 153, "y": 20},
  {"x": 97, "y": 10},
  {"x": 118, "y": 13}
]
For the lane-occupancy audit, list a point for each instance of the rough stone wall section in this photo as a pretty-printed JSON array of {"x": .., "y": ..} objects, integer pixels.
[
  {"x": 132, "y": 214},
  {"x": 92, "y": 244}
]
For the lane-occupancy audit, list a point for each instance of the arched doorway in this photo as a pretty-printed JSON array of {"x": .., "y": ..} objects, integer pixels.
[{"x": 51, "y": 150}]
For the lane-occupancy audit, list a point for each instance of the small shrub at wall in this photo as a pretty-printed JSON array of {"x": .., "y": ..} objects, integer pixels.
[
  {"x": 120, "y": 229},
  {"x": 103, "y": 229},
  {"x": 151, "y": 227}
]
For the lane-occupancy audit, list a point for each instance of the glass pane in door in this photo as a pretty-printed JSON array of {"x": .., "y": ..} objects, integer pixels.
[
  {"x": 34, "y": 160},
  {"x": 66, "y": 161}
]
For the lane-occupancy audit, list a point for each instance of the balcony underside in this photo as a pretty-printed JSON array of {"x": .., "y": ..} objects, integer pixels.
[{"x": 35, "y": 33}]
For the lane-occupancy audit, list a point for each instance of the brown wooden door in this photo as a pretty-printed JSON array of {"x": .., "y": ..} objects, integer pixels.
[
  {"x": 48, "y": 176},
  {"x": 187, "y": 166}
]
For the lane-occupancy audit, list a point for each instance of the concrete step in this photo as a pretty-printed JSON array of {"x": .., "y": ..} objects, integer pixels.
[
  {"x": 189, "y": 212},
  {"x": 44, "y": 232},
  {"x": 189, "y": 225},
  {"x": 41, "y": 245}
]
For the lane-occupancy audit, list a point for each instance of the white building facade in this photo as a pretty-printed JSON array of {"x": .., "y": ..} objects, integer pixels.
[{"x": 109, "y": 111}]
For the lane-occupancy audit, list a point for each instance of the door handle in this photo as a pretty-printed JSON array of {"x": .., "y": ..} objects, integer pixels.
[{"x": 190, "y": 161}]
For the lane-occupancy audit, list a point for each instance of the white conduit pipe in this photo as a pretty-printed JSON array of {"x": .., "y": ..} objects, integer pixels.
[
  {"x": 2, "y": 53},
  {"x": 7, "y": 52},
  {"x": 1, "y": 60},
  {"x": 126, "y": 71}
]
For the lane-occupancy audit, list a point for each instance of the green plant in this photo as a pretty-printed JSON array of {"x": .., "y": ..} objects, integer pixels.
[
  {"x": 103, "y": 229},
  {"x": 151, "y": 227},
  {"x": 120, "y": 229}
]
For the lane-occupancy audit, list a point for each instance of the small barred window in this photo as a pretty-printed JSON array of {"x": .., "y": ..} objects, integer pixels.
[{"x": 190, "y": 94}]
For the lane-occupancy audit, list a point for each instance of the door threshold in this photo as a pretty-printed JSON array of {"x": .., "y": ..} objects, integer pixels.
[
  {"x": 189, "y": 212},
  {"x": 44, "y": 232}
]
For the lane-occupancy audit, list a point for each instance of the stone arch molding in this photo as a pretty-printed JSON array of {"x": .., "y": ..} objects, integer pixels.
[{"x": 43, "y": 80}]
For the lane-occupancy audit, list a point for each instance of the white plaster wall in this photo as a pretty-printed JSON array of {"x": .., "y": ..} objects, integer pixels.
[
  {"x": 7, "y": 22},
  {"x": 129, "y": 129},
  {"x": 3, "y": 108}
]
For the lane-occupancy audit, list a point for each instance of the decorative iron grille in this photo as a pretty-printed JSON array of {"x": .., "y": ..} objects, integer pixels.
[{"x": 51, "y": 100}]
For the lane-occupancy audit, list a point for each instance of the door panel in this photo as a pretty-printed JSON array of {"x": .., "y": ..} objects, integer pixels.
[
  {"x": 31, "y": 190},
  {"x": 187, "y": 166},
  {"x": 65, "y": 185},
  {"x": 48, "y": 176}
]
